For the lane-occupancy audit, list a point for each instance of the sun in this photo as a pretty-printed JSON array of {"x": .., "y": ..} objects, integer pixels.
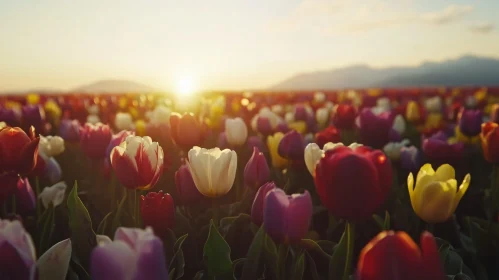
[{"x": 186, "y": 87}]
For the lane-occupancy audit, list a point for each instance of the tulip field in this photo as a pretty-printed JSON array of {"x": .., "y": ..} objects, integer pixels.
[{"x": 374, "y": 184}]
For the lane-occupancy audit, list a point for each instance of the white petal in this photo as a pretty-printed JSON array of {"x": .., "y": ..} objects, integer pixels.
[{"x": 54, "y": 263}]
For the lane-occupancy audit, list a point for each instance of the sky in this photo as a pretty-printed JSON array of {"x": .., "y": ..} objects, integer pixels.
[{"x": 229, "y": 44}]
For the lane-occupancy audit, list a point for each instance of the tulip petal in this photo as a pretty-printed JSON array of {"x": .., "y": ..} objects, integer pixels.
[
  {"x": 275, "y": 204},
  {"x": 430, "y": 257},
  {"x": 151, "y": 261},
  {"x": 54, "y": 263},
  {"x": 299, "y": 214},
  {"x": 462, "y": 190},
  {"x": 115, "y": 260},
  {"x": 436, "y": 201},
  {"x": 444, "y": 173}
]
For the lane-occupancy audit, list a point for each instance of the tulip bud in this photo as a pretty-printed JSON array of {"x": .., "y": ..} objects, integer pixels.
[
  {"x": 160, "y": 115},
  {"x": 494, "y": 113},
  {"x": 138, "y": 162},
  {"x": 353, "y": 183},
  {"x": 256, "y": 171},
  {"x": 410, "y": 158},
  {"x": 236, "y": 131},
  {"x": 10, "y": 116},
  {"x": 93, "y": 119},
  {"x": 186, "y": 188},
  {"x": 313, "y": 153},
  {"x": 18, "y": 151},
  {"x": 470, "y": 122},
  {"x": 186, "y": 131},
  {"x": 263, "y": 126},
  {"x": 436, "y": 195},
  {"x": 287, "y": 218},
  {"x": 273, "y": 144},
  {"x": 319, "y": 97},
  {"x": 490, "y": 141},
  {"x": 292, "y": 146},
  {"x": 213, "y": 170},
  {"x": 434, "y": 104},
  {"x": 18, "y": 253},
  {"x": 140, "y": 128},
  {"x": 69, "y": 130},
  {"x": 51, "y": 146},
  {"x": 393, "y": 149},
  {"x": 123, "y": 121},
  {"x": 53, "y": 194},
  {"x": 439, "y": 150},
  {"x": 33, "y": 115},
  {"x": 344, "y": 116},
  {"x": 25, "y": 196},
  {"x": 405, "y": 260},
  {"x": 258, "y": 203},
  {"x": 375, "y": 130},
  {"x": 412, "y": 113},
  {"x": 94, "y": 140},
  {"x": 330, "y": 134},
  {"x": 134, "y": 254},
  {"x": 158, "y": 211},
  {"x": 53, "y": 171}
]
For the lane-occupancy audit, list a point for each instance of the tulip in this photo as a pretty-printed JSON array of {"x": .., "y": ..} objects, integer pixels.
[
  {"x": 273, "y": 142},
  {"x": 33, "y": 115},
  {"x": 213, "y": 170},
  {"x": 256, "y": 171},
  {"x": 353, "y": 183},
  {"x": 116, "y": 140},
  {"x": 93, "y": 109},
  {"x": 393, "y": 256},
  {"x": 236, "y": 131},
  {"x": 134, "y": 254},
  {"x": 10, "y": 116},
  {"x": 123, "y": 121},
  {"x": 393, "y": 149},
  {"x": 292, "y": 146},
  {"x": 490, "y": 141},
  {"x": 412, "y": 112},
  {"x": 436, "y": 195},
  {"x": 140, "y": 128},
  {"x": 158, "y": 211},
  {"x": 410, "y": 158},
  {"x": 382, "y": 105},
  {"x": 439, "y": 149},
  {"x": 319, "y": 97},
  {"x": 470, "y": 122},
  {"x": 265, "y": 121},
  {"x": 330, "y": 134},
  {"x": 282, "y": 127},
  {"x": 494, "y": 113},
  {"x": 186, "y": 131},
  {"x": 255, "y": 141},
  {"x": 313, "y": 153},
  {"x": 18, "y": 259},
  {"x": 289, "y": 117},
  {"x": 263, "y": 126},
  {"x": 344, "y": 116},
  {"x": 54, "y": 263},
  {"x": 52, "y": 171},
  {"x": 160, "y": 115},
  {"x": 52, "y": 111},
  {"x": 51, "y": 146},
  {"x": 301, "y": 112},
  {"x": 138, "y": 162},
  {"x": 18, "y": 151},
  {"x": 376, "y": 131},
  {"x": 94, "y": 139},
  {"x": 186, "y": 188},
  {"x": 53, "y": 194},
  {"x": 434, "y": 104},
  {"x": 287, "y": 218},
  {"x": 258, "y": 203},
  {"x": 25, "y": 196},
  {"x": 93, "y": 119},
  {"x": 69, "y": 130}
]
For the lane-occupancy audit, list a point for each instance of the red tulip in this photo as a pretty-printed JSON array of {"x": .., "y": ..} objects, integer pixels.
[
  {"x": 490, "y": 141},
  {"x": 393, "y": 256},
  {"x": 94, "y": 139},
  {"x": 186, "y": 131},
  {"x": 256, "y": 171},
  {"x": 158, "y": 211},
  {"x": 353, "y": 183},
  {"x": 138, "y": 162},
  {"x": 18, "y": 151},
  {"x": 330, "y": 134},
  {"x": 344, "y": 116}
]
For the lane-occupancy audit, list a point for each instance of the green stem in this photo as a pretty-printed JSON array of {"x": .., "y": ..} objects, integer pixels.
[
  {"x": 112, "y": 190},
  {"x": 216, "y": 213},
  {"x": 350, "y": 228}
]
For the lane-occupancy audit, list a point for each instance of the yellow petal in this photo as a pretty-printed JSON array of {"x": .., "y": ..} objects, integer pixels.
[
  {"x": 425, "y": 170},
  {"x": 462, "y": 189},
  {"x": 445, "y": 172},
  {"x": 410, "y": 186},
  {"x": 436, "y": 201}
]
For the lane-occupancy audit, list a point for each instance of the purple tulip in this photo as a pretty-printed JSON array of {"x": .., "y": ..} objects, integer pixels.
[
  {"x": 255, "y": 141},
  {"x": 69, "y": 130},
  {"x": 53, "y": 171},
  {"x": 10, "y": 117},
  {"x": 256, "y": 171},
  {"x": 292, "y": 146},
  {"x": 438, "y": 151},
  {"x": 134, "y": 254},
  {"x": 186, "y": 188},
  {"x": 18, "y": 258},
  {"x": 282, "y": 127},
  {"x": 375, "y": 130},
  {"x": 286, "y": 218},
  {"x": 470, "y": 122},
  {"x": 300, "y": 113},
  {"x": 222, "y": 141},
  {"x": 410, "y": 158},
  {"x": 33, "y": 115},
  {"x": 263, "y": 126},
  {"x": 258, "y": 202},
  {"x": 25, "y": 196}
]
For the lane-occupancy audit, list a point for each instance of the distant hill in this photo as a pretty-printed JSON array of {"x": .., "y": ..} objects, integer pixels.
[
  {"x": 114, "y": 86},
  {"x": 464, "y": 71}
]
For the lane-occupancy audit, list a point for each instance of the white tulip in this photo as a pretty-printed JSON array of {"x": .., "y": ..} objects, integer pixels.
[
  {"x": 399, "y": 124},
  {"x": 93, "y": 109},
  {"x": 434, "y": 104},
  {"x": 384, "y": 104},
  {"x": 54, "y": 194},
  {"x": 289, "y": 117},
  {"x": 123, "y": 121},
  {"x": 313, "y": 153},
  {"x": 393, "y": 149},
  {"x": 471, "y": 101},
  {"x": 2, "y": 125},
  {"x": 54, "y": 263},
  {"x": 265, "y": 112},
  {"x": 160, "y": 115},
  {"x": 319, "y": 97},
  {"x": 50, "y": 146},
  {"x": 330, "y": 105},
  {"x": 278, "y": 109},
  {"x": 236, "y": 131},
  {"x": 322, "y": 116},
  {"x": 93, "y": 119},
  {"x": 213, "y": 170}
]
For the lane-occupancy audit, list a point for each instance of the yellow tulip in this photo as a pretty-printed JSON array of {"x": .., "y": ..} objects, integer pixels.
[
  {"x": 33, "y": 99},
  {"x": 434, "y": 120},
  {"x": 299, "y": 126},
  {"x": 436, "y": 196},
  {"x": 140, "y": 128},
  {"x": 412, "y": 111},
  {"x": 460, "y": 137},
  {"x": 273, "y": 143}
]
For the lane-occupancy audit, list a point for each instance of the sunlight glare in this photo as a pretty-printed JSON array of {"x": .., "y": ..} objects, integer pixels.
[{"x": 185, "y": 88}]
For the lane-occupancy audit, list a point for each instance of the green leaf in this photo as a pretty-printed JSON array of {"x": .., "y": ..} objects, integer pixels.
[
  {"x": 327, "y": 246},
  {"x": 386, "y": 224},
  {"x": 48, "y": 228},
  {"x": 270, "y": 256},
  {"x": 217, "y": 253},
  {"x": 250, "y": 269},
  {"x": 282, "y": 256},
  {"x": 379, "y": 221},
  {"x": 101, "y": 229},
  {"x": 311, "y": 267},
  {"x": 312, "y": 246},
  {"x": 171, "y": 274},
  {"x": 119, "y": 211},
  {"x": 178, "y": 258},
  {"x": 299, "y": 268},
  {"x": 341, "y": 261},
  {"x": 199, "y": 275},
  {"x": 235, "y": 266},
  {"x": 82, "y": 235}
]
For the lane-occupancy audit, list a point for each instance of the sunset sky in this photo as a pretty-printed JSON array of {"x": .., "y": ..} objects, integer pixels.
[{"x": 229, "y": 44}]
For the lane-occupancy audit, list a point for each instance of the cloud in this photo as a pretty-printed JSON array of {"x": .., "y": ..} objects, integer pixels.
[
  {"x": 485, "y": 27},
  {"x": 449, "y": 14}
]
